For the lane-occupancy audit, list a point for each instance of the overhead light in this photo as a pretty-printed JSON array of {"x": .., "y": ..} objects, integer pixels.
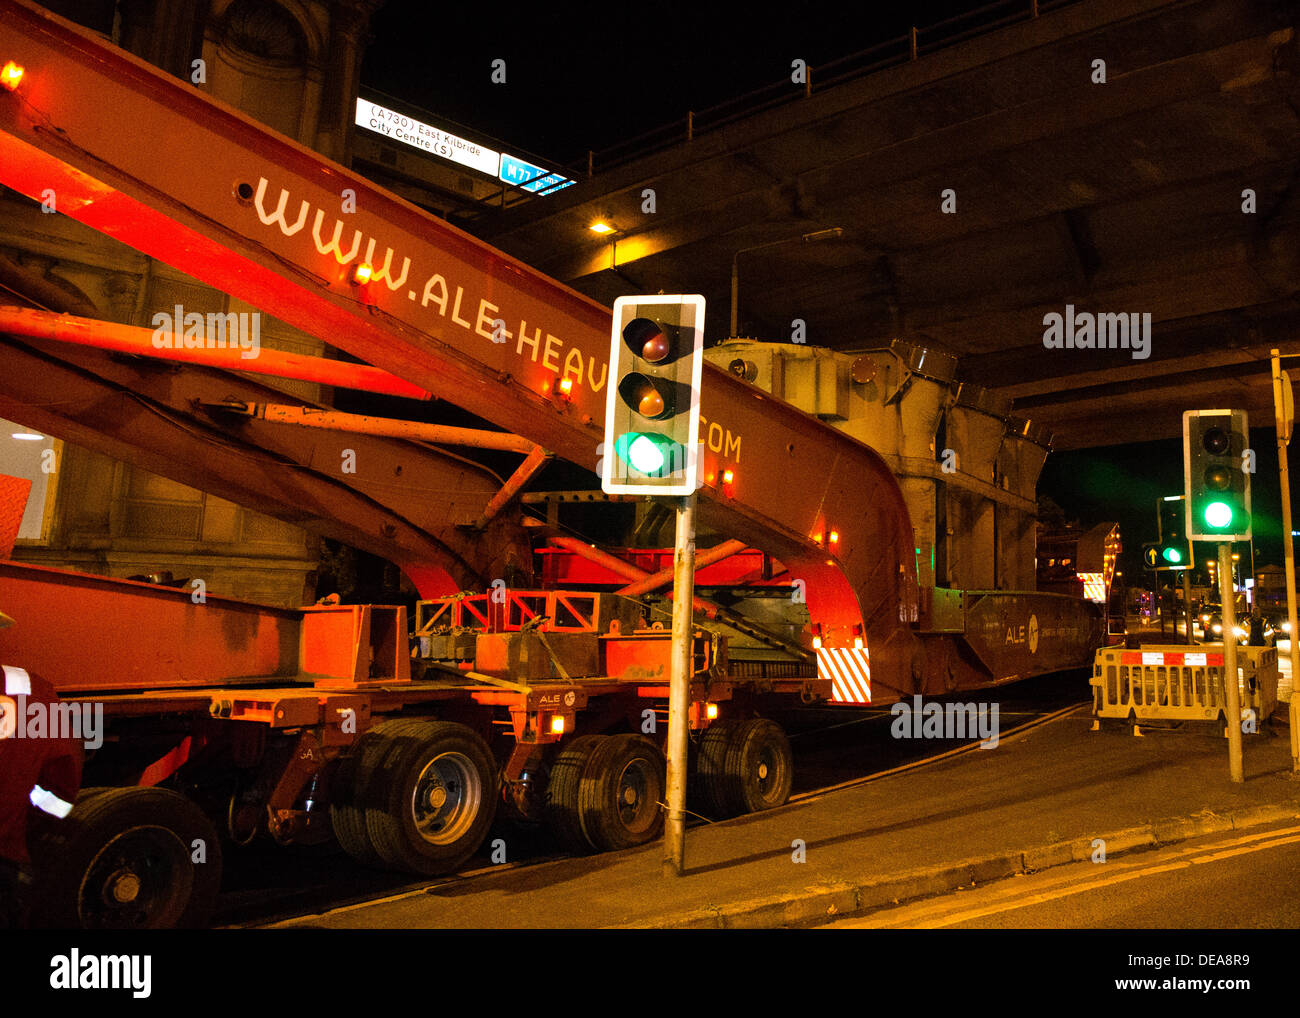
[
  {"x": 28, "y": 436},
  {"x": 600, "y": 226}
]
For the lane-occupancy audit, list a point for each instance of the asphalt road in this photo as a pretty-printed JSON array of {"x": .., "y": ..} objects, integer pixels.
[{"x": 1238, "y": 880}]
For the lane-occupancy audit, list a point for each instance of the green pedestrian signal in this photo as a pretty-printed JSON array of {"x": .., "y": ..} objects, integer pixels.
[{"x": 1173, "y": 550}]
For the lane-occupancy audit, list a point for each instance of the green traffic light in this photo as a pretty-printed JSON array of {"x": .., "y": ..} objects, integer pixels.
[
  {"x": 1218, "y": 515},
  {"x": 1172, "y": 555},
  {"x": 650, "y": 454}
]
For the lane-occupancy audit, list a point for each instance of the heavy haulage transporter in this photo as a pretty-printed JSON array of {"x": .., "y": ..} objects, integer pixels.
[{"x": 843, "y": 558}]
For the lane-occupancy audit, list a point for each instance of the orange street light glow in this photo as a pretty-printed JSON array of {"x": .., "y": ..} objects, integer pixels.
[
  {"x": 11, "y": 76},
  {"x": 600, "y": 226}
]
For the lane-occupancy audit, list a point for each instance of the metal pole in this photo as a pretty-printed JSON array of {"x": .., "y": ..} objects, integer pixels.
[
  {"x": 1232, "y": 692},
  {"x": 735, "y": 294},
  {"x": 1288, "y": 551},
  {"x": 679, "y": 694},
  {"x": 1187, "y": 602}
]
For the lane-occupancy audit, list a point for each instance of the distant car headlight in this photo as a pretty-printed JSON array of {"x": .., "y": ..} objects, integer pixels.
[
  {"x": 1239, "y": 631},
  {"x": 1217, "y": 628},
  {"x": 1286, "y": 627},
  {"x": 1205, "y": 618}
]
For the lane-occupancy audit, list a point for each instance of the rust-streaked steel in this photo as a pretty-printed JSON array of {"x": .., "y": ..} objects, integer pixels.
[
  {"x": 246, "y": 210},
  {"x": 136, "y": 340},
  {"x": 409, "y": 503}
]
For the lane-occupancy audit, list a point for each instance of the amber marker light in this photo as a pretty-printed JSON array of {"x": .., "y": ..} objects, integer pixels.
[
  {"x": 565, "y": 387},
  {"x": 11, "y": 75},
  {"x": 362, "y": 273},
  {"x": 557, "y": 724},
  {"x": 817, "y": 643},
  {"x": 728, "y": 476},
  {"x": 835, "y": 537}
]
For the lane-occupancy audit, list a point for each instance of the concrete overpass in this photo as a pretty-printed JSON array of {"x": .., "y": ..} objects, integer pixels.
[{"x": 1122, "y": 196}]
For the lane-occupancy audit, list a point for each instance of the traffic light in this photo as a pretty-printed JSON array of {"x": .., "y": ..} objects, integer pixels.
[
  {"x": 1174, "y": 550},
  {"x": 1216, "y": 462},
  {"x": 652, "y": 421}
]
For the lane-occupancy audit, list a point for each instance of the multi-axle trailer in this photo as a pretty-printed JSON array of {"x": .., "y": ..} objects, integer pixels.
[{"x": 852, "y": 561}]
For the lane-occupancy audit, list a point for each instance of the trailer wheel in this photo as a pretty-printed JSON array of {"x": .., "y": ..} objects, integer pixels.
[
  {"x": 430, "y": 802},
  {"x": 760, "y": 767},
  {"x": 124, "y": 859},
  {"x": 621, "y": 793},
  {"x": 347, "y": 810},
  {"x": 562, "y": 791},
  {"x": 711, "y": 780}
]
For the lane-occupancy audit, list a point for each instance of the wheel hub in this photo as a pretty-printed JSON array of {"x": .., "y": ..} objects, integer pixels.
[
  {"x": 123, "y": 887},
  {"x": 446, "y": 799}
]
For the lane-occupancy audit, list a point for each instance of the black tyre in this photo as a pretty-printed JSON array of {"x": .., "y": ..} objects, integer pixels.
[
  {"x": 125, "y": 859},
  {"x": 562, "y": 791},
  {"x": 621, "y": 793},
  {"x": 710, "y": 783},
  {"x": 432, "y": 797},
  {"x": 347, "y": 812},
  {"x": 760, "y": 767}
]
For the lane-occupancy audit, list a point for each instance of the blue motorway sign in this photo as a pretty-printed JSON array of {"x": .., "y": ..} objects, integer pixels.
[{"x": 530, "y": 178}]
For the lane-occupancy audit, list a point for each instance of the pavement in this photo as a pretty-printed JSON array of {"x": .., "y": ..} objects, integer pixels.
[{"x": 1041, "y": 798}]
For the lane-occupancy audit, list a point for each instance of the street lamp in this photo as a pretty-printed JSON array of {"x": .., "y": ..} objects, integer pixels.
[{"x": 807, "y": 238}]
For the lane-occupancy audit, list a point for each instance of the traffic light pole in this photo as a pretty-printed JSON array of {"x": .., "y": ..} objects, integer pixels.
[
  {"x": 1281, "y": 400},
  {"x": 1187, "y": 604},
  {"x": 679, "y": 690},
  {"x": 1231, "y": 688}
]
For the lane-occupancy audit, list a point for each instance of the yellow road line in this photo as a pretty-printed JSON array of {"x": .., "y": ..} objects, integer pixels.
[{"x": 934, "y": 917}]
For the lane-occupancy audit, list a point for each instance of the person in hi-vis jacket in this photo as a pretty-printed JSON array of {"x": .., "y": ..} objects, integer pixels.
[{"x": 39, "y": 779}]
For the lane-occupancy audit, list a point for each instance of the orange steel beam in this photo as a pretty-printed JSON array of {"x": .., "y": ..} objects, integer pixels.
[
  {"x": 261, "y": 361},
  {"x": 616, "y": 565},
  {"x": 415, "y": 431},
  {"x": 246, "y": 210},
  {"x": 653, "y": 581},
  {"x": 532, "y": 463}
]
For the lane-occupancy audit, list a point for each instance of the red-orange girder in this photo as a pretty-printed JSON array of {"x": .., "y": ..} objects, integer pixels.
[{"x": 154, "y": 162}]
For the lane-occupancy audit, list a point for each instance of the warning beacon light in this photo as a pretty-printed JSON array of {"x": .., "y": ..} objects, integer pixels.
[
  {"x": 11, "y": 75},
  {"x": 652, "y": 421},
  {"x": 1217, "y": 461}
]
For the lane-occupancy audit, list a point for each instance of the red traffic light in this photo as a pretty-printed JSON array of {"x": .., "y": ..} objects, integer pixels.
[
  {"x": 652, "y": 341},
  {"x": 1216, "y": 441}
]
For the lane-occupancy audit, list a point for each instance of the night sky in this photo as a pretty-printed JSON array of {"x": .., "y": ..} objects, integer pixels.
[
  {"x": 581, "y": 76},
  {"x": 1123, "y": 483}
]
